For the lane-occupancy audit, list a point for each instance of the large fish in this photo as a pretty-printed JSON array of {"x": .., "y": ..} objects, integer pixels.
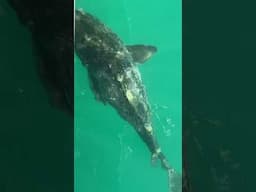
[{"x": 114, "y": 77}]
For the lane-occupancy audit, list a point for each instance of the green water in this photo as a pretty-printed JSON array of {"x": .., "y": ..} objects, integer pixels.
[
  {"x": 109, "y": 155},
  {"x": 36, "y": 143}
]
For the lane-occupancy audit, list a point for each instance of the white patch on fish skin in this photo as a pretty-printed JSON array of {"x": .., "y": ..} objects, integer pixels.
[
  {"x": 149, "y": 128},
  {"x": 120, "y": 77},
  {"x": 112, "y": 98},
  {"x": 119, "y": 54},
  {"x": 158, "y": 150},
  {"x": 81, "y": 11},
  {"x": 128, "y": 73},
  {"x": 154, "y": 156},
  {"x": 135, "y": 71},
  {"x": 87, "y": 37},
  {"x": 129, "y": 95}
]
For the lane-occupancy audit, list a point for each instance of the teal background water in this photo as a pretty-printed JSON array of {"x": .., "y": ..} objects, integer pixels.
[{"x": 109, "y": 155}]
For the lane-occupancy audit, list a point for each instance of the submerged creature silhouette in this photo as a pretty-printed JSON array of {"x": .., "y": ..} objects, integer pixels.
[{"x": 115, "y": 79}]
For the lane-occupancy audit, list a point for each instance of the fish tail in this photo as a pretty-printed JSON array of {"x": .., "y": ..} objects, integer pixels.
[{"x": 174, "y": 178}]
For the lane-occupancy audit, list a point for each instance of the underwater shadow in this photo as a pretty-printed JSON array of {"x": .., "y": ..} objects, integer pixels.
[{"x": 36, "y": 140}]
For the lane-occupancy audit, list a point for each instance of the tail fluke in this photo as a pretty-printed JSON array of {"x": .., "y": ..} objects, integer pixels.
[
  {"x": 174, "y": 178},
  {"x": 175, "y": 181}
]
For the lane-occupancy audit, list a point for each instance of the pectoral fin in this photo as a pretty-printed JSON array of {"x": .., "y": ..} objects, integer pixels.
[{"x": 141, "y": 53}]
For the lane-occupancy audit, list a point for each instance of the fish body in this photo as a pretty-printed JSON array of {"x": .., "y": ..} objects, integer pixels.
[{"x": 114, "y": 75}]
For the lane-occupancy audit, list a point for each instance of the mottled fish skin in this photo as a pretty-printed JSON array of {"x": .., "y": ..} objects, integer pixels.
[{"x": 114, "y": 76}]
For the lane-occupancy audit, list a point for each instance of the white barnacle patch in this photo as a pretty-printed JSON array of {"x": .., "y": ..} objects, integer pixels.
[
  {"x": 81, "y": 11},
  {"x": 128, "y": 73},
  {"x": 119, "y": 54},
  {"x": 149, "y": 128},
  {"x": 120, "y": 77},
  {"x": 158, "y": 150},
  {"x": 87, "y": 37},
  {"x": 112, "y": 98},
  {"x": 129, "y": 95},
  {"x": 136, "y": 71}
]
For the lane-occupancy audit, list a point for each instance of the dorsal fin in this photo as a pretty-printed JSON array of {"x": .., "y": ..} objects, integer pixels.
[{"x": 141, "y": 53}]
